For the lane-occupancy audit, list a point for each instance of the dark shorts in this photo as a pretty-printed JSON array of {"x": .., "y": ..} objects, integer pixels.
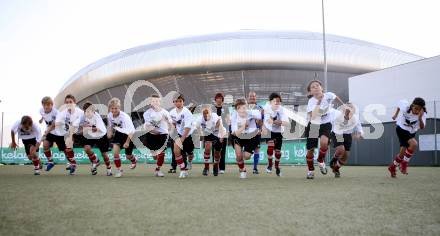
[
  {"x": 277, "y": 139},
  {"x": 215, "y": 141},
  {"x": 102, "y": 143},
  {"x": 188, "y": 145},
  {"x": 324, "y": 130},
  {"x": 339, "y": 140},
  {"x": 28, "y": 143},
  {"x": 59, "y": 140},
  {"x": 404, "y": 136},
  {"x": 249, "y": 145},
  {"x": 154, "y": 142},
  {"x": 119, "y": 139},
  {"x": 258, "y": 140}
]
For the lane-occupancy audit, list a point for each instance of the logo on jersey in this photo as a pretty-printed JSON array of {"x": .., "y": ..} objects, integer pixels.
[
  {"x": 25, "y": 132},
  {"x": 119, "y": 125}
]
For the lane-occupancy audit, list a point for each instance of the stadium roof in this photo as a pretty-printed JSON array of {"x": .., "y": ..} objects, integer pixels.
[{"x": 242, "y": 50}]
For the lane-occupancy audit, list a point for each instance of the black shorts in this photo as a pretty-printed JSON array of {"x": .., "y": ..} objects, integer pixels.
[
  {"x": 154, "y": 142},
  {"x": 215, "y": 141},
  {"x": 102, "y": 143},
  {"x": 28, "y": 143},
  {"x": 188, "y": 145},
  {"x": 249, "y": 145},
  {"x": 324, "y": 130},
  {"x": 119, "y": 139},
  {"x": 258, "y": 140},
  {"x": 277, "y": 138},
  {"x": 344, "y": 139},
  {"x": 404, "y": 136},
  {"x": 59, "y": 140}
]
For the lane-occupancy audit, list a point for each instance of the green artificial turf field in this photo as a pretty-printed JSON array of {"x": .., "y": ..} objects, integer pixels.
[{"x": 365, "y": 200}]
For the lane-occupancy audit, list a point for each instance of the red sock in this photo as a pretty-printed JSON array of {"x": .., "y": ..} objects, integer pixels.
[
  {"x": 48, "y": 155},
  {"x": 217, "y": 156},
  {"x": 309, "y": 159},
  {"x": 408, "y": 154},
  {"x": 321, "y": 155},
  {"x": 179, "y": 161},
  {"x": 131, "y": 158},
  {"x": 117, "y": 161},
  {"x": 397, "y": 160},
  {"x": 277, "y": 159},
  {"x": 70, "y": 156},
  {"x": 36, "y": 162},
  {"x": 92, "y": 157},
  {"x": 270, "y": 150},
  {"x": 160, "y": 159},
  {"x": 206, "y": 158},
  {"x": 106, "y": 160},
  {"x": 240, "y": 165}
]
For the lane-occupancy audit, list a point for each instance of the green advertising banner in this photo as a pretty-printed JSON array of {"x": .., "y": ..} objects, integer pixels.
[{"x": 292, "y": 153}]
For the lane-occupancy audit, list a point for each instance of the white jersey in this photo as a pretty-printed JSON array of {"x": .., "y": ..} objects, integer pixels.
[
  {"x": 122, "y": 123},
  {"x": 325, "y": 108},
  {"x": 210, "y": 126},
  {"x": 279, "y": 114},
  {"x": 49, "y": 118},
  {"x": 182, "y": 120},
  {"x": 94, "y": 121},
  {"x": 237, "y": 122},
  {"x": 158, "y": 119},
  {"x": 258, "y": 108},
  {"x": 34, "y": 132},
  {"x": 342, "y": 126},
  {"x": 66, "y": 120},
  {"x": 408, "y": 121}
]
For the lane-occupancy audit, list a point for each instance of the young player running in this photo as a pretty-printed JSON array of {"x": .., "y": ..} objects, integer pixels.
[
  {"x": 157, "y": 124},
  {"x": 183, "y": 121},
  {"x": 319, "y": 110},
  {"x": 120, "y": 131},
  {"x": 95, "y": 134},
  {"x": 67, "y": 124},
  {"x": 345, "y": 126},
  {"x": 213, "y": 132},
  {"x": 252, "y": 103},
  {"x": 30, "y": 135},
  {"x": 244, "y": 131},
  {"x": 410, "y": 118},
  {"x": 274, "y": 121},
  {"x": 48, "y": 115}
]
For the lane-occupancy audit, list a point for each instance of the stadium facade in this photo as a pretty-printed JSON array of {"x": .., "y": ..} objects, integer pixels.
[
  {"x": 232, "y": 63},
  {"x": 236, "y": 63}
]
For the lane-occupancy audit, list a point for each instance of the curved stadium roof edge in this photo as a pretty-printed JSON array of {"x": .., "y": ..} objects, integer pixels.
[{"x": 248, "y": 49}]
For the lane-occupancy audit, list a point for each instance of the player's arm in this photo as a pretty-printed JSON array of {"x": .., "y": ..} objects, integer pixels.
[
  {"x": 396, "y": 113},
  {"x": 422, "y": 119},
  {"x": 221, "y": 129},
  {"x": 130, "y": 132},
  {"x": 240, "y": 129},
  {"x": 13, "y": 144},
  {"x": 339, "y": 100},
  {"x": 37, "y": 131},
  {"x": 359, "y": 132},
  {"x": 49, "y": 129},
  {"x": 170, "y": 123},
  {"x": 109, "y": 129}
]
